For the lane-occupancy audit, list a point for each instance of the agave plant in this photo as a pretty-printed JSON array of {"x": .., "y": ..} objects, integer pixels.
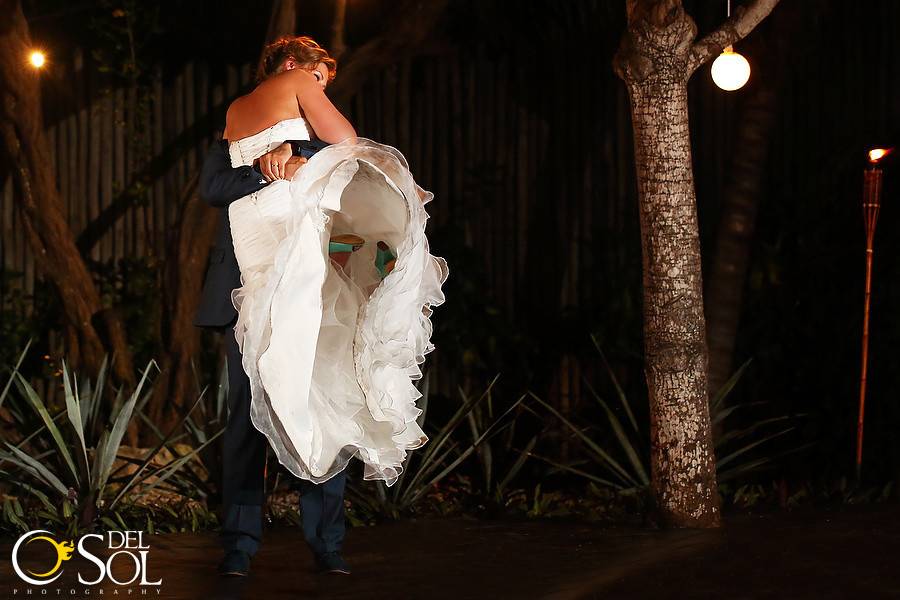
[
  {"x": 68, "y": 459},
  {"x": 204, "y": 423},
  {"x": 498, "y": 459},
  {"x": 443, "y": 454},
  {"x": 631, "y": 473}
]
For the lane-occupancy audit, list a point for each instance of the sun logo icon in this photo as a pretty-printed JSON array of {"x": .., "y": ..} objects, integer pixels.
[{"x": 64, "y": 552}]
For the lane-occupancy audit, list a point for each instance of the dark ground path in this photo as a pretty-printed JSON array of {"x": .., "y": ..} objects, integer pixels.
[{"x": 852, "y": 552}]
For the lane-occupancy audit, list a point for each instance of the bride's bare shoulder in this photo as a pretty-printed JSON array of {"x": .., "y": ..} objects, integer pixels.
[{"x": 232, "y": 114}]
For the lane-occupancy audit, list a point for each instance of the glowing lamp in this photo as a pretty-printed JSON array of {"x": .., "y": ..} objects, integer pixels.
[
  {"x": 37, "y": 59},
  {"x": 731, "y": 70}
]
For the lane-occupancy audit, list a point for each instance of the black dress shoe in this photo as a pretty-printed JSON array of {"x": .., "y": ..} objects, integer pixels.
[
  {"x": 236, "y": 562},
  {"x": 332, "y": 562}
]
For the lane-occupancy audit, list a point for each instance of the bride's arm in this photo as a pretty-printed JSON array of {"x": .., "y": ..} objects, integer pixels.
[{"x": 326, "y": 120}]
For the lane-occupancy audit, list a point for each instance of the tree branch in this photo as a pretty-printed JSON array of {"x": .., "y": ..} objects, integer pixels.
[
  {"x": 744, "y": 20},
  {"x": 412, "y": 25},
  {"x": 338, "y": 28},
  {"x": 282, "y": 20}
]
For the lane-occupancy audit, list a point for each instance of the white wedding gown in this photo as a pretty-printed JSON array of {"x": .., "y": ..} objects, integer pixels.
[{"x": 332, "y": 353}]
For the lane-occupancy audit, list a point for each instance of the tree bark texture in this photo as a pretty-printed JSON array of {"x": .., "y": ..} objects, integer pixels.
[
  {"x": 656, "y": 58},
  {"x": 682, "y": 458}
]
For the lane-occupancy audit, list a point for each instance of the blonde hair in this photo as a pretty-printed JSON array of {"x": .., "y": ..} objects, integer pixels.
[{"x": 305, "y": 50}]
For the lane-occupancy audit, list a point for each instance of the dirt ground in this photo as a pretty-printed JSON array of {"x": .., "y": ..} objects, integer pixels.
[{"x": 851, "y": 552}]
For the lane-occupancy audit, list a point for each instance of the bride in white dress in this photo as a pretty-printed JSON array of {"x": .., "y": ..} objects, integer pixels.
[{"x": 331, "y": 350}]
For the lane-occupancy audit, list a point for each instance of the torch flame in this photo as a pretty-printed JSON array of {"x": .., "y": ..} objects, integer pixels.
[{"x": 877, "y": 154}]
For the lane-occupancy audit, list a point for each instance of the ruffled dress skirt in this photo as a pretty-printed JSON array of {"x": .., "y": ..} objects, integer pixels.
[{"x": 332, "y": 352}]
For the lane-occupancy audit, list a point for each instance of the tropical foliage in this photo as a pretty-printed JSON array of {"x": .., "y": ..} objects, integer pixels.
[
  {"x": 625, "y": 466},
  {"x": 490, "y": 435},
  {"x": 72, "y": 463}
]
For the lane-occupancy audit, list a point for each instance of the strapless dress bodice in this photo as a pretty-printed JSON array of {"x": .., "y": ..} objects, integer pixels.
[{"x": 245, "y": 150}]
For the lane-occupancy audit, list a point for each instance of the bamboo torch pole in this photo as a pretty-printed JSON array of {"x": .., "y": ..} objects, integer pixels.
[{"x": 872, "y": 178}]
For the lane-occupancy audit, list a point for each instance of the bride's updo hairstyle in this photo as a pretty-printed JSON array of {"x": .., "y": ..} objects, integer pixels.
[{"x": 303, "y": 49}]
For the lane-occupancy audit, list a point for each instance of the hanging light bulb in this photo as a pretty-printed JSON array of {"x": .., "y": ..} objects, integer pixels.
[{"x": 730, "y": 71}]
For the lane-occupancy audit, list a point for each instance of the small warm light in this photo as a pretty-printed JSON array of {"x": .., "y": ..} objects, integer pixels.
[
  {"x": 877, "y": 154},
  {"x": 37, "y": 59},
  {"x": 731, "y": 70}
]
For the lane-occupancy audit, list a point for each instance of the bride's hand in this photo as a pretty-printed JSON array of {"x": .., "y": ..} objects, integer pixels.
[
  {"x": 292, "y": 166},
  {"x": 273, "y": 164}
]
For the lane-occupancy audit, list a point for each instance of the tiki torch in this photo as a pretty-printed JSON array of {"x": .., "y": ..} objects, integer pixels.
[{"x": 872, "y": 178}]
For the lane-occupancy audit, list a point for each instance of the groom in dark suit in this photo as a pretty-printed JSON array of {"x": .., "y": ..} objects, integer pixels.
[{"x": 244, "y": 447}]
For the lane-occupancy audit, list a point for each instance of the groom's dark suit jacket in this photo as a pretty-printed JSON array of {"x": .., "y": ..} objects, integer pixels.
[{"x": 220, "y": 185}]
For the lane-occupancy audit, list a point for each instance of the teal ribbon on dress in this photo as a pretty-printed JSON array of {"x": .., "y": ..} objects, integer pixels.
[
  {"x": 339, "y": 247},
  {"x": 382, "y": 257}
]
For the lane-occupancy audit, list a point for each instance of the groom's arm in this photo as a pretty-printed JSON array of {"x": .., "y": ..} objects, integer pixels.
[
  {"x": 220, "y": 184},
  {"x": 305, "y": 148}
]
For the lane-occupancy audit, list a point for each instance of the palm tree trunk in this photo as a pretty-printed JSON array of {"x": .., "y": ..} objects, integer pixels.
[
  {"x": 682, "y": 459},
  {"x": 656, "y": 59}
]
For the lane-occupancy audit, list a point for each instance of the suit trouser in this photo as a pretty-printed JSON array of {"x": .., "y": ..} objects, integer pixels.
[{"x": 244, "y": 459}]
